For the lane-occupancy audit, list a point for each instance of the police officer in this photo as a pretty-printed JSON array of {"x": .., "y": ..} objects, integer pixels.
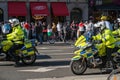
[
  {"x": 17, "y": 37},
  {"x": 107, "y": 39}
]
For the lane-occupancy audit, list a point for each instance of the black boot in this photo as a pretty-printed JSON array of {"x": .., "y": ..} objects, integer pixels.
[
  {"x": 17, "y": 63},
  {"x": 17, "y": 59}
]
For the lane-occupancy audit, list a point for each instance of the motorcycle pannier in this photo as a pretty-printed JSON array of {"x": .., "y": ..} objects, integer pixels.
[{"x": 27, "y": 49}]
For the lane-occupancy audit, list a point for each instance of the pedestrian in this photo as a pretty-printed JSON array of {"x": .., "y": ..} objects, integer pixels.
[
  {"x": 90, "y": 27},
  {"x": 59, "y": 30},
  {"x": 27, "y": 28},
  {"x": 39, "y": 33},
  {"x": 81, "y": 29},
  {"x": 49, "y": 31},
  {"x": 54, "y": 29},
  {"x": 44, "y": 25},
  {"x": 64, "y": 31},
  {"x": 73, "y": 31}
]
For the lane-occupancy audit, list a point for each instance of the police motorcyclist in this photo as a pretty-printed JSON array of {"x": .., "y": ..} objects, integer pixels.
[
  {"x": 17, "y": 37},
  {"x": 108, "y": 39}
]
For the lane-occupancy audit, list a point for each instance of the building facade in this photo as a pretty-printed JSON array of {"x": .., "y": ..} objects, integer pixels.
[
  {"x": 75, "y": 10},
  {"x": 110, "y": 8}
]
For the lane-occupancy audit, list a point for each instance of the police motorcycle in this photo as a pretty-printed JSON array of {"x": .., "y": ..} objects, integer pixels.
[
  {"x": 91, "y": 55},
  {"x": 26, "y": 54}
]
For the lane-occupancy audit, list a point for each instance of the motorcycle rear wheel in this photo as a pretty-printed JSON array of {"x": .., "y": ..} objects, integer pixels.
[
  {"x": 78, "y": 67},
  {"x": 28, "y": 60}
]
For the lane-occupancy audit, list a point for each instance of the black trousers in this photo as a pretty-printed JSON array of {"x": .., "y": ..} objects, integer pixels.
[
  {"x": 109, "y": 52},
  {"x": 12, "y": 51}
]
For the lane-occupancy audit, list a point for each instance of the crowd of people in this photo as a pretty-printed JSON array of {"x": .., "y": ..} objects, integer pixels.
[{"x": 62, "y": 31}]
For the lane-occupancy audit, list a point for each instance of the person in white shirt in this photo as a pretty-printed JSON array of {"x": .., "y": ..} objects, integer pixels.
[{"x": 59, "y": 29}]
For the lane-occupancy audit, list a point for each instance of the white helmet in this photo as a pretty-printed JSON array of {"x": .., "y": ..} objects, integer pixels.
[{"x": 14, "y": 21}]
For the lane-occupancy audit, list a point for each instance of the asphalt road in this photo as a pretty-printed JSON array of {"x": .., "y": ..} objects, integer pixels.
[{"x": 52, "y": 63}]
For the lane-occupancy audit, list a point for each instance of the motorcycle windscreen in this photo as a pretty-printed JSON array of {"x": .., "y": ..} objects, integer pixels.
[{"x": 80, "y": 40}]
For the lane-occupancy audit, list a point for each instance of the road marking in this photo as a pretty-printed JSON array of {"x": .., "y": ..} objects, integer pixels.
[
  {"x": 6, "y": 62},
  {"x": 43, "y": 60},
  {"x": 54, "y": 47},
  {"x": 37, "y": 70},
  {"x": 42, "y": 48},
  {"x": 55, "y": 53},
  {"x": 50, "y": 50},
  {"x": 43, "y": 69}
]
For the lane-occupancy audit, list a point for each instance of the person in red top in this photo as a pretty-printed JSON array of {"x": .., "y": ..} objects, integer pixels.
[
  {"x": 81, "y": 29},
  {"x": 27, "y": 28}
]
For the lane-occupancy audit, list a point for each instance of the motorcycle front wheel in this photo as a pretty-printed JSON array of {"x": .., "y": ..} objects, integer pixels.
[
  {"x": 28, "y": 60},
  {"x": 78, "y": 67}
]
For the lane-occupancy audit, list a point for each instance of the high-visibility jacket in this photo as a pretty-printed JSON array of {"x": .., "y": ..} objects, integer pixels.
[
  {"x": 107, "y": 38},
  {"x": 116, "y": 32},
  {"x": 17, "y": 35}
]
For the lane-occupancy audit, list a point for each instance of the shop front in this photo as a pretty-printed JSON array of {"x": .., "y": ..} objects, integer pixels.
[
  {"x": 17, "y": 10},
  {"x": 76, "y": 15},
  {"x": 39, "y": 11},
  {"x": 59, "y": 11}
]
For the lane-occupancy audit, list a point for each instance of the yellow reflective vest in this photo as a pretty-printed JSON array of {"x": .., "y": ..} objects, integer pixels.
[
  {"x": 116, "y": 32},
  {"x": 107, "y": 38},
  {"x": 17, "y": 35}
]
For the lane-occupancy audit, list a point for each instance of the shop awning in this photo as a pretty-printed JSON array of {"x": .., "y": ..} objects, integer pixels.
[
  {"x": 39, "y": 9},
  {"x": 59, "y": 9},
  {"x": 17, "y": 9}
]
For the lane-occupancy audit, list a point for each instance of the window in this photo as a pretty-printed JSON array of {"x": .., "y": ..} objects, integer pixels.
[{"x": 99, "y": 2}]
